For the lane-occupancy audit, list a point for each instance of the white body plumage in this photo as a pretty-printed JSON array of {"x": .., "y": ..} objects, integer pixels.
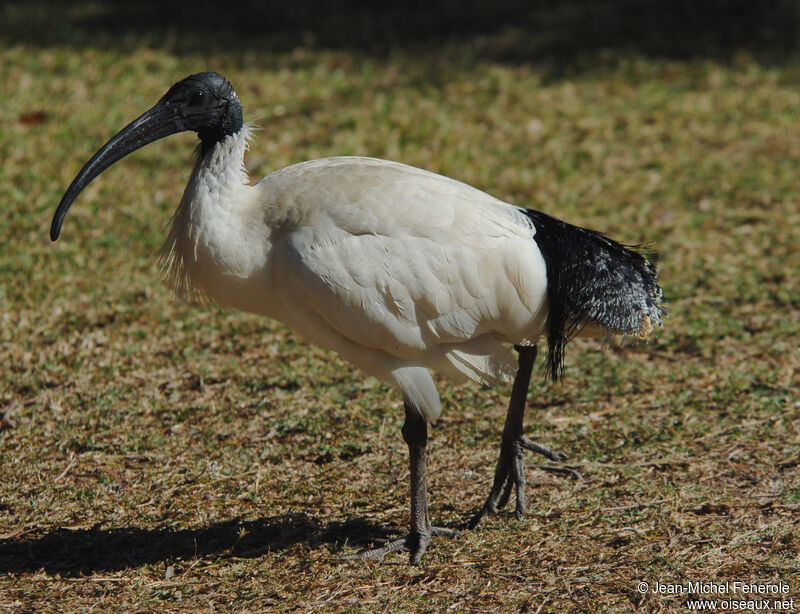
[{"x": 399, "y": 270}]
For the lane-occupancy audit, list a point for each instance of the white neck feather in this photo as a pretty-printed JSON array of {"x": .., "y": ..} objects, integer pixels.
[{"x": 207, "y": 226}]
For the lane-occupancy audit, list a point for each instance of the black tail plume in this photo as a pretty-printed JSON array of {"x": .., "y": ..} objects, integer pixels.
[{"x": 592, "y": 279}]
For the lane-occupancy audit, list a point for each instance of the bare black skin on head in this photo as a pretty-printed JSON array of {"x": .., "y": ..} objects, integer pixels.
[{"x": 204, "y": 103}]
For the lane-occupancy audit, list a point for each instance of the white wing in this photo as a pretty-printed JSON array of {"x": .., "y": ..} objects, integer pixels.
[{"x": 407, "y": 263}]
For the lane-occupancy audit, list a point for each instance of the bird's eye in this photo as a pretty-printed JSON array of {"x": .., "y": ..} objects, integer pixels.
[{"x": 197, "y": 98}]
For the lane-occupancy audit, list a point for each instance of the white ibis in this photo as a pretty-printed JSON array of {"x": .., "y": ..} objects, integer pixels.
[{"x": 401, "y": 271}]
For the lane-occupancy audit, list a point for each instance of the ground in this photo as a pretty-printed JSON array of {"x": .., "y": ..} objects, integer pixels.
[{"x": 174, "y": 457}]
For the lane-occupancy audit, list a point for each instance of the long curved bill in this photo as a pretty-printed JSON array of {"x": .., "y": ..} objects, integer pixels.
[{"x": 152, "y": 125}]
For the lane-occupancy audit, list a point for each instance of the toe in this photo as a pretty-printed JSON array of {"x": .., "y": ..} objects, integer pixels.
[{"x": 418, "y": 544}]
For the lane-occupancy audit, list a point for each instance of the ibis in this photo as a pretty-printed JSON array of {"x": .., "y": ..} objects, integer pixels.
[{"x": 402, "y": 272}]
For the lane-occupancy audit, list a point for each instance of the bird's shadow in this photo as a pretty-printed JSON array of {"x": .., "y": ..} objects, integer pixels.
[{"x": 69, "y": 552}]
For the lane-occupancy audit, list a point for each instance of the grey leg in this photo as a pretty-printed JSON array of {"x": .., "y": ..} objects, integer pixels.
[
  {"x": 415, "y": 434},
  {"x": 510, "y": 471}
]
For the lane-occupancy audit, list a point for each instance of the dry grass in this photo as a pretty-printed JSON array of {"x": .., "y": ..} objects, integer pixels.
[{"x": 160, "y": 456}]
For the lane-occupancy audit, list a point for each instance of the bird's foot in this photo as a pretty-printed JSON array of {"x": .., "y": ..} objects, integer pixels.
[
  {"x": 510, "y": 473},
  {"x": 415, "y": 543}
]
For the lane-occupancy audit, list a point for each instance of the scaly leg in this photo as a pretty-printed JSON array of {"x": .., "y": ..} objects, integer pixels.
[
  {"x": 510, "y": 472},
  {"x": 415, "y": 434}
]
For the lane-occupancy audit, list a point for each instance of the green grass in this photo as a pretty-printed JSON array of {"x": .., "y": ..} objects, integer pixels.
[{"x": 139, "y": 435}]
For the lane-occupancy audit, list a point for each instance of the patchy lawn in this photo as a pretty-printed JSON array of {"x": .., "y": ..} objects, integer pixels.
[{"x": 172, "y": 457}]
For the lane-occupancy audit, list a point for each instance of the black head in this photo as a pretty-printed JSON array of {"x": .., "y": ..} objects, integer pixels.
[{"x": 204, "y": 103}]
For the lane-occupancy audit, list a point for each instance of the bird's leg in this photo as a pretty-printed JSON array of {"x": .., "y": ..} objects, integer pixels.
[
  {"x": 415, "y": 434},
  {"x": 510, "y": 471}
]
